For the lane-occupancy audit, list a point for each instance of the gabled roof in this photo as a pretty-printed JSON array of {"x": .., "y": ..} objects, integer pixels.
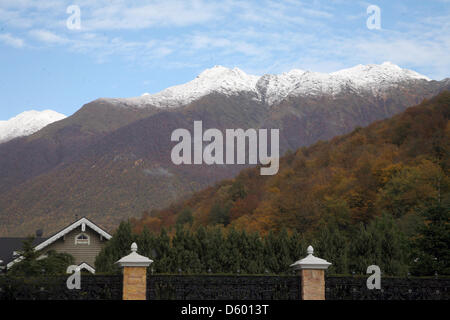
[{"x": 83, "y": 222}]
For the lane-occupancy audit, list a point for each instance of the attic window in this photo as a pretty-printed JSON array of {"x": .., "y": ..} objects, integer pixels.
[{"x": 82, "y": 238}]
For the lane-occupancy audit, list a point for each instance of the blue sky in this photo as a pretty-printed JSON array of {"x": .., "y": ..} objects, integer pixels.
[{"x": 127, "y": 47}]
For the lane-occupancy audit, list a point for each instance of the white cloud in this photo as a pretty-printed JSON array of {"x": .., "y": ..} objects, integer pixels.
[
  {"x": 47, "y": 37},
  {"x": 265, "y": 35},
  {"x": 30, "y": 4},
  {"x": 15, "y": 19},
  {"x": 317, "y": 13},
  {"x": 119, "y": 15},
  {"x": 12, "y": 41}
]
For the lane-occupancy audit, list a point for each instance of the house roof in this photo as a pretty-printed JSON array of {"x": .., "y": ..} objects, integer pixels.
[
  {"x": 83, "y": 222},
  {"x": 9, "y": 245}
]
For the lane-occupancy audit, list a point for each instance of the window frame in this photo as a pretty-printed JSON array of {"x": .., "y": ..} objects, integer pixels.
[{"x": 86, "y": 241}]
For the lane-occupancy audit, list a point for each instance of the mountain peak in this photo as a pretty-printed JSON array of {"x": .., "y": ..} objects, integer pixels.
[
  {"x": 223, "y": 74},
  {"x": 388, "y": 63},
  {"x": 215, "y": 71},
  {"x": 216, "y": 79},
  {"x": 273, "y": 88},
  {"x": 26, "y": 123},
  {"x": 376, "y": 76}
]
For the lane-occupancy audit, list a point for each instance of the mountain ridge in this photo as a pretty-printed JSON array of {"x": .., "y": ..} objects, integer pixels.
[{"x": 273, "y": 88}]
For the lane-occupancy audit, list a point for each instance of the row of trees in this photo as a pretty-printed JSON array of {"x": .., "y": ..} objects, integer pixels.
[
  {"x": 351, "y": 248},
  {"x": 219, "y": 250}
]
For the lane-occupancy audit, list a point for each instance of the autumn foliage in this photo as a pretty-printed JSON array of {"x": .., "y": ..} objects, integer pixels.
[{"x": 398, "y": 166}]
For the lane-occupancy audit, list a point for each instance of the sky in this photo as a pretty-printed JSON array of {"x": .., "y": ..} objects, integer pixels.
[{"x": 59, "y": 55}]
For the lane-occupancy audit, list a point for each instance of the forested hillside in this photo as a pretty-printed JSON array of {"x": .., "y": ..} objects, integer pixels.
[
  {"x": 379, "y": 195},
  {"x": 397, "y": 166}
]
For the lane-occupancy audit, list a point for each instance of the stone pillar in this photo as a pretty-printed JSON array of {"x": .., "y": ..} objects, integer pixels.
[
  {"x": 312, "y": 272},
  {"x": 134, "y": 275}
]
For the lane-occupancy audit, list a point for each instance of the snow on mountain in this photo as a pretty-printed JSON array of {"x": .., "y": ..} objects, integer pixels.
[
  {"x": 27, "y": 123},
  {"x": 370, "y": 77},
  {"x": 274, "y": 88},
  {"x": 217, "y": 79}
]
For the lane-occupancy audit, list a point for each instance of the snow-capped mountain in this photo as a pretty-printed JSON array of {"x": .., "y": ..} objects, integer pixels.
[
  {"x": 27, "y": 123},
  {"x": 272, "y": 89},
  {"x": 104, "y": 156}
]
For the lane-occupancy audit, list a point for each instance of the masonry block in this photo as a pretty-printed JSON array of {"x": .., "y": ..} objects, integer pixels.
[
  {"x": 313, "y": 284},
  {"x": 134, "y": 283}
]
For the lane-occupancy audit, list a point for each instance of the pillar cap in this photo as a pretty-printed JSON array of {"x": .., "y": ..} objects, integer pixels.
[
  {"x": 311, "y": 262},
  {"x": 134, "y": 259}
]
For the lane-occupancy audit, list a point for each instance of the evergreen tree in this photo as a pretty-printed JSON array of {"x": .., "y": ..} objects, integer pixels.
[
  {"x": 211, "y": 249},
  {"x": 254, "y": 254},
  {"x": 332, "y": 246},
  {"x": 432, "y": 246},
  {"x": 270, "y": 255},
  {"x": 391, "y": 244},
  {"x": 183, "y": 255},
  {"x": 28, "y": 266},
  {"x": 363, "y": 250},
  {"x": 380, "y": 243},
  {"x": 234, "y": 261},
  {"x": 283, "y": 251},
  {"x": 297, "y": 246},
  {"x": 116, "y": 248},
  {"x": 53, "y": 263},
  {"x": 146, "y": 243},
  {"x": 162, "y": 252}
]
